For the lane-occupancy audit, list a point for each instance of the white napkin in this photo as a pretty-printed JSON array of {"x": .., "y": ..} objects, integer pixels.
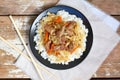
[{"x": 105, "y": 38}]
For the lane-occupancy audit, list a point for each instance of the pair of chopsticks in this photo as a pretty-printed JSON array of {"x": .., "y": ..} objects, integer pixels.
[
  {"x": 30, "y": 58},
  {"x": 33, "y": 61}
]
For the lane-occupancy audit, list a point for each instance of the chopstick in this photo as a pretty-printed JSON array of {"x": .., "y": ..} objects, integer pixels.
[
  {"x": 32, "y": 59},
  {"x": 20, "y": 52}
]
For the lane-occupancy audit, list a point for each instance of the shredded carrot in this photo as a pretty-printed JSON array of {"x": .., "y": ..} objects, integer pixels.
[
  {"x": 57, "y": 53},
  {"x": 74, "y": 49},
  {"x": 51, "y": 49},
  {"x": 58, "y": 19},
  {"x": 52, "y": 46},
  {"x": 46, "y": 36}
]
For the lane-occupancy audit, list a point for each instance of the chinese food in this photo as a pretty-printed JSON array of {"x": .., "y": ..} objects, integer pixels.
[{"x": 62, "y": 37}]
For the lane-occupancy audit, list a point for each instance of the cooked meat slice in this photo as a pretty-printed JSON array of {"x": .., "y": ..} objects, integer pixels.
[
  {"x": 71, "y": 24},
  {"x": 57, "y": 32},
  {"x": 63, "y": 40},
  {"x": 69, "y": 32},
  {"x": 62, "y": 47},
  {"x": 60, "y": 32},
  {"x": 70, "y": 46},
  {"x": 49, "y": 28}
]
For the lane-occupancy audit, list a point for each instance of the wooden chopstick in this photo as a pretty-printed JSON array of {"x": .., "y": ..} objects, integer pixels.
[
  {"x": 20, "y": 52},
  {"x": 32, "y": 59}
]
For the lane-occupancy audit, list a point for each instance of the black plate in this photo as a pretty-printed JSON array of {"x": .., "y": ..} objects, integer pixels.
[{"x": 88, "y": 43}]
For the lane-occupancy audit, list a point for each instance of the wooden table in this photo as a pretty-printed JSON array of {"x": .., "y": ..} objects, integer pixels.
[{"x": 24, "y": 12}]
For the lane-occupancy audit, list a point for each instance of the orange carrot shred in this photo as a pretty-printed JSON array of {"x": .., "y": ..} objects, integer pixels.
[
  {"x": 57, "y": 53},
  {"x": 51, "y": 49},
  {"x": 58, "y": 19},
  {"x": 46, "y": 36},
  {"x": 52, "y": 46}
]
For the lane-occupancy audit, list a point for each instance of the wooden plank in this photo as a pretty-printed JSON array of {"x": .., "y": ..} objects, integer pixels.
[
  {"x": 109, "y": 6},
  {"x": 33, "y": 7},
  {"x": 8, "y": 55},
  {"x": 24, "y": 7},
  {"x": 15, "y": 79},
  {"x": 116, "y": 17},
  {"x": 7, "y": 69},
  {"x": 118, "y": 31},
  {"x": 5, "y": 26},
  {"x": 111, "y": 66},
  {"x": 11, "y": 71}
]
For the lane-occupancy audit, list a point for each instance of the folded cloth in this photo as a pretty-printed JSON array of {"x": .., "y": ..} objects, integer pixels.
[{"x": 105, "y": 38}]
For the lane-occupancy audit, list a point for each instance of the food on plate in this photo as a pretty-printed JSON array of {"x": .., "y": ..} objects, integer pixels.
[{"x": 61, "y": 37}]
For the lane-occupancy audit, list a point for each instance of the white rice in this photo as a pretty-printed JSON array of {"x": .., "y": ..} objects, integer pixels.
[{"x": 76, "y": 55}]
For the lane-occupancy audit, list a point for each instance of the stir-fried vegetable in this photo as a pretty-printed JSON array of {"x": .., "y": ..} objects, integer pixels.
[
  {"x": 58, "y": 19},
  {"x": 46, "y": 36},
  {"x": 60, "y": 37},
  {"x": 51, "y": 49}
]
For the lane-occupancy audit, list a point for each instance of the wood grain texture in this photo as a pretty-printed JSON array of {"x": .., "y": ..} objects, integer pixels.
[
  {"x": 33, "y": 7},
  {"x": 109, "y": 6},
  {"x": 111, "y": 66},
  {"x": 7, "y": 55},
  {"x": 5, "y": 26},
  {"x": 117, "y": 17},
  {"x": 11, "y": 71},
  {"x": 7, "y": 69},
  {"x": 118, "y": 31},
  {"x": 24, "y": 7}
]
